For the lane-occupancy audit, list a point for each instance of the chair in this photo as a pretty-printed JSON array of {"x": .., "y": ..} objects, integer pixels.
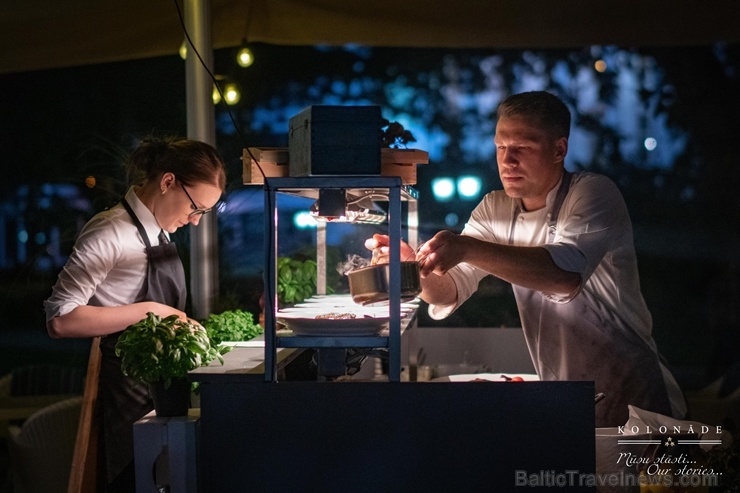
[
  {"x": 86, "y": 476},
  {"x": 46, "y": 379},
  {"x": 28, "y": 389},
  {"x": 41, "y": 449}
]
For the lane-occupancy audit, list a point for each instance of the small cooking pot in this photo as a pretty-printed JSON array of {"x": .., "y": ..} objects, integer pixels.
[{"x": 372, "y": 284}]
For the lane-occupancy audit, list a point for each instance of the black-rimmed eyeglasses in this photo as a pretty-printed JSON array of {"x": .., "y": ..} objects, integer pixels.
[{"x": 196, "y": 211}]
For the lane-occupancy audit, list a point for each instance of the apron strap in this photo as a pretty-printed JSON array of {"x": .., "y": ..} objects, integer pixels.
[{"x": 137, "y": 223}]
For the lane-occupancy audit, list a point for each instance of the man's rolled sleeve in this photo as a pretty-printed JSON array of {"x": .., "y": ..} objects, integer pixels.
[
  {"x": 570, "y": 259},
  {"x": 466, "y": 278}
]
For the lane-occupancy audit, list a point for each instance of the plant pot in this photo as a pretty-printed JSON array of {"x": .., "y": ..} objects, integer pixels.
[{"x": 173, "y": 400}]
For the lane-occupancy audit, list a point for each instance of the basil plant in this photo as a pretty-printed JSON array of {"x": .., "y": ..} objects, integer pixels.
[{"x": 162, "y": 349}]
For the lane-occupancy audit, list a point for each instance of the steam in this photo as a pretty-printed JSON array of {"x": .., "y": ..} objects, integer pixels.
[{"x": 353, "y": 262}]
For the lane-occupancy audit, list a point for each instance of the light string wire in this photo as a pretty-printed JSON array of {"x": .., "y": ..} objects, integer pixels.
[
  {"x": 215, "y": 84},
  {"x": 270, "y": 281}
]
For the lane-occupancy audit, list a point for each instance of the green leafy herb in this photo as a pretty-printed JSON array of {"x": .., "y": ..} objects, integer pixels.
[
  {"x": 231, "y": 325},
  {"x": 296, "y": 280},
  {"x": 160, "y": 349}
]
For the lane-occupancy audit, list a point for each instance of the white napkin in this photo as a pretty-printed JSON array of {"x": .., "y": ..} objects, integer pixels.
[{"x": 641, "y": 421}]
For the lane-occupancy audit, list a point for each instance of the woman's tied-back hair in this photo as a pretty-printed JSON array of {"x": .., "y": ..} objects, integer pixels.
[
  {"x": 541, "y": 108},
  {"x": 191, "y": 161}
]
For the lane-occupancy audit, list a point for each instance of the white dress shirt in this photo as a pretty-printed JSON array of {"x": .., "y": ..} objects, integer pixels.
[
  {"x": 594, "y": 238},
  {"x": 108, "y": 263}
]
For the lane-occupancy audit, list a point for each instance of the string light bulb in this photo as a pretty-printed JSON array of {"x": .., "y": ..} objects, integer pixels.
[
  {"x": 232, "y": 94},
  {"x": 244, "y": 56},
  {"x": 184, "y": 50},
  {"x": 216, "y": 95}
]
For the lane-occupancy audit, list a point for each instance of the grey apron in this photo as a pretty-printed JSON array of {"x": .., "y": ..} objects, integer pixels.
[
  {"x": 124, "y": 400},
  {"x": 576, "y": 341}
]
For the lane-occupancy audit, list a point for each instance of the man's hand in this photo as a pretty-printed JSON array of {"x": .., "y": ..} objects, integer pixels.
[
  {"x": 440, "y": 254},
  {"x": 436, "y": 289},
  {"x": 381, "y": 244}
]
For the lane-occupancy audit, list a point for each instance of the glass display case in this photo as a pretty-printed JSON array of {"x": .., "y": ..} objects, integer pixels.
[{"x": 342, "y": 199}]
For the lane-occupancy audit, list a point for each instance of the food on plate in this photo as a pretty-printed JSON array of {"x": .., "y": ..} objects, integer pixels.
[
  {"x": 336, "y": 316},
  {"x": 512, "y": 379},
  {"x": 508, "y": 379}
]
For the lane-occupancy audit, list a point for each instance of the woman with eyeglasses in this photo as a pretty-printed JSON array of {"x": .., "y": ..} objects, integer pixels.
[{"x": 123, "y": 266}]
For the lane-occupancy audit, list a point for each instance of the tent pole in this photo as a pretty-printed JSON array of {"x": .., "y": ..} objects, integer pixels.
[{"x": 201, "y": 126}]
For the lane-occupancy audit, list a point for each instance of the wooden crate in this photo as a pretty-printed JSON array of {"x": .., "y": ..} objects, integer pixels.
[
  {"x": 274, "y": 163},
  {"x": 272, "y": 160},
  {"x": 402, "y": 162}
]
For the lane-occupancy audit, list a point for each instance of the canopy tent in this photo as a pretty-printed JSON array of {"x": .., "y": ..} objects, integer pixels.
[{"x": 43, "y": 34}]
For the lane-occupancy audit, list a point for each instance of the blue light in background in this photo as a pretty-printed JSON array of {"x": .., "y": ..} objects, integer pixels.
[
  {"x": 443, "y": 189},
  {"x": 303, "y": 220},
  {"x": 468, "y": 187}
]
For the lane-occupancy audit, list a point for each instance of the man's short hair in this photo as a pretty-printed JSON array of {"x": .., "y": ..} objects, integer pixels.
[{"x": 542, "y": 108}]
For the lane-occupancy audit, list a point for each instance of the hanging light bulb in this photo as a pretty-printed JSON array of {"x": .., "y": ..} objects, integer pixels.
[
  {"x": 184, "y": 50},
  {"x": 244, "y": 56},
  {"x": 232, "y": 94},
  {"x": 216, "y": 95}
]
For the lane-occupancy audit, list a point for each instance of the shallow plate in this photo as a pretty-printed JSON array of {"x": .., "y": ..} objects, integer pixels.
[
  {"x": 251, "y": 343},
  {"x": 312, "y": 312},
  {"x": 491, "y": 377},
  {"x": 340, "y": 299},
  {"x": 361, "y": 326}
]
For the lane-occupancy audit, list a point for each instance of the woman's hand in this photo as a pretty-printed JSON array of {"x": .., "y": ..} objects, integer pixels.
[
  {"x": 163, "y": 310},
  {"x": 166, "y": 311},
  {"x": 91, "y": 321}
]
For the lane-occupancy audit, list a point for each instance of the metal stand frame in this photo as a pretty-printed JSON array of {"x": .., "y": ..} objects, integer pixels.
[{"x": 308, "y": 185}]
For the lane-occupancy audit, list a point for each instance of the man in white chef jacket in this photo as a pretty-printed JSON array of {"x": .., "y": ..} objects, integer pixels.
[{"x": 564, "y": 241}]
